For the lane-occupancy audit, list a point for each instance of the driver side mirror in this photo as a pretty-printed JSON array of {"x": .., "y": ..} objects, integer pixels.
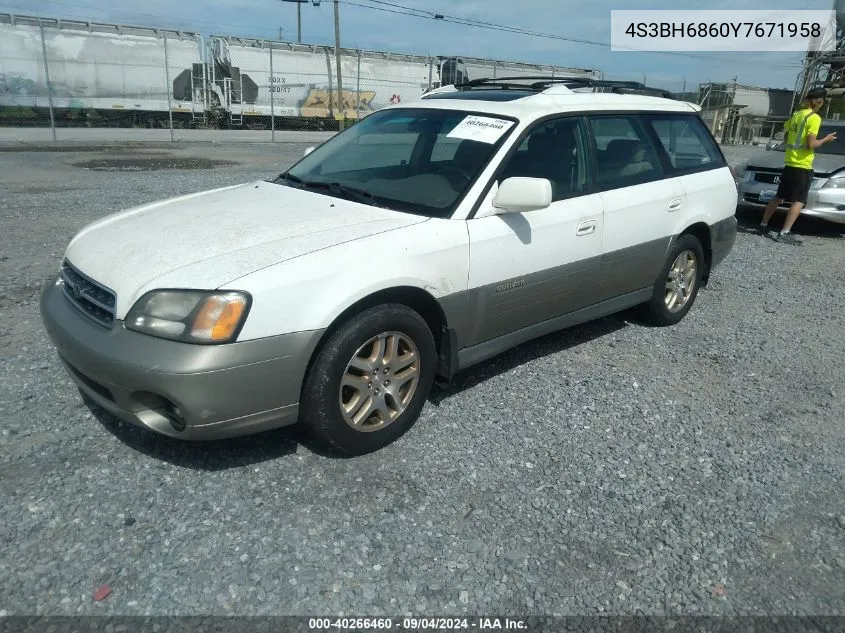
[
  {"x": 308, "y": 150},
  {"x": 519, "y": 194}
]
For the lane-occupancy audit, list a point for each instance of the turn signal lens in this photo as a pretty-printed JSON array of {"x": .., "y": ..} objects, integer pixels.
[{"x": 219, "y": 317}]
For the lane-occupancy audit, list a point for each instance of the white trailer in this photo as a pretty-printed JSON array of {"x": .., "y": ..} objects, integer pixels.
[{"x": 107, "y": 68}]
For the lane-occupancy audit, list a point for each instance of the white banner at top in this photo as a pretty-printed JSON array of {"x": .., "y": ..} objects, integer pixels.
[{"x": 771, "y": 30}]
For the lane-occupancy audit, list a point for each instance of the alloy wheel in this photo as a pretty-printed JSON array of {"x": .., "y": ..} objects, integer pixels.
[
  {"x": 681, "y": 281},
  {"x": 379, "y": 381}
]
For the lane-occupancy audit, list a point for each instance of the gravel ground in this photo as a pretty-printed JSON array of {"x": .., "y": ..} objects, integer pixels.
[{"x": 611, "y": 468}]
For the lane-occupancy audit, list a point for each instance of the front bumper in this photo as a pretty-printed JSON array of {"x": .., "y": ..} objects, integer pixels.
[
  {"x": 191, "y": 392},
  {"x": 826, "y": 204}
]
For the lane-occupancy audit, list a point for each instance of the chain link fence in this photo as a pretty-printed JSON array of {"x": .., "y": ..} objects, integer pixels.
[{"x": 63, "y": 75}]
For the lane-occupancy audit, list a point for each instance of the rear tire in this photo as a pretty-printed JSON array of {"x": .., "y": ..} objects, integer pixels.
[
  {"x": 369, "y": 381},
  {"x": 677, "y": 285}
]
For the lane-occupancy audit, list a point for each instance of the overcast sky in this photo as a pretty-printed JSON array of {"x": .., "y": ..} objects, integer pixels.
[{"x": 370, "y": 28}]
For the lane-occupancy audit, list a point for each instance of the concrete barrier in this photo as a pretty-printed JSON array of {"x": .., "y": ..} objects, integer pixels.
[{"x": 106, "y": 135}]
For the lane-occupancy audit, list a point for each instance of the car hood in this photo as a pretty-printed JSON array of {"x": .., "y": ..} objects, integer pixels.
[
  {"x": 208, "y": 239},
  {"x": 823, "y": 164}
]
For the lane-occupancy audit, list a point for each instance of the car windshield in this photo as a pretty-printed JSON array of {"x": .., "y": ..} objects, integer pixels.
[
  {"x": 834, "y": 147},
  {"x": 420, "y": 161}
]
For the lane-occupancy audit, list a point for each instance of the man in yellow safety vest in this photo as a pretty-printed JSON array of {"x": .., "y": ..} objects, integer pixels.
[{"x": 797, "y": 175}]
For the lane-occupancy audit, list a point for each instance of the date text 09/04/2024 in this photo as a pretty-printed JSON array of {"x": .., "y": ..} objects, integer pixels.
[
  {"x": 725, "y": 29},
  {"x": 418, "y": 624}
]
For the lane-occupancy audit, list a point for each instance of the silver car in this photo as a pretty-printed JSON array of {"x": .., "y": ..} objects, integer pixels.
[{"x": 759, "y": 176}]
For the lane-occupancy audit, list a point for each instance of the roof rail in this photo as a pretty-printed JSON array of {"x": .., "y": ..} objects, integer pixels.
[
  {"x": 541, "y": 83},
  {"x": 441, "y": 89}
]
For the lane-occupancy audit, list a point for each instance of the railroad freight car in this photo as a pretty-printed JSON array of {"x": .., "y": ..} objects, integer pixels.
[
  {"x": 456, "y": 70},
  {"x": 100, "y": 74},
  {"x": 118, "y": 75},
  {"x": 299, "y": 82},
  {"x": 250, "y": 77}
]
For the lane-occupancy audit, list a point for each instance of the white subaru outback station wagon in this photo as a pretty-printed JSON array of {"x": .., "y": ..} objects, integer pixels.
[{"x": 425, "y": 238}]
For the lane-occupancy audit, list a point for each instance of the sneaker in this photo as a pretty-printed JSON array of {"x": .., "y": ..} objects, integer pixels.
[
  {"x": 788, "y": 238},
  {"x": 762, "y": 230}
]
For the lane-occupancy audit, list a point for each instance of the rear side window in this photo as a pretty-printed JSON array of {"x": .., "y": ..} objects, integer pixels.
[
  {"x": 625, "y": 155},
  {"x": 687, "y": 143}
]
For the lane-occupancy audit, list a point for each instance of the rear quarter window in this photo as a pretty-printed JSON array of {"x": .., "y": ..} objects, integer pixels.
[
  {"x": 687, "y": 143},
  {"x": 624, "y": 153}
]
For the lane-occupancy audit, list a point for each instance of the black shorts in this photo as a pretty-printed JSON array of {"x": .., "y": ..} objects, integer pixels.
[{"x": 794, "y": 184}]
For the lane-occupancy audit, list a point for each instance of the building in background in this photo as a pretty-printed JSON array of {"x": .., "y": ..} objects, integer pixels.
[
  {"x": 742, "y": 114},
  {"x": 822, "y": 68}
]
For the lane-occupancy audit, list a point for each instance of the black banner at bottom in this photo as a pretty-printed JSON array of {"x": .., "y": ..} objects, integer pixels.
[{"x": 421, "y": 624}]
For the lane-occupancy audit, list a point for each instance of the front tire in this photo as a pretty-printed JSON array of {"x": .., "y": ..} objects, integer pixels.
[
  {"x": 677, "y": 284},
  {"x": 369, "y": 381}
]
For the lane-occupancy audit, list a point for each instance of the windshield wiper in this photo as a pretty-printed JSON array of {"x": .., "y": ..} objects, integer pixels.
[
  {"x": 353, "y": 193},
  {"x": 350, "y": 193},
  {"x": 286, "y": 176}
]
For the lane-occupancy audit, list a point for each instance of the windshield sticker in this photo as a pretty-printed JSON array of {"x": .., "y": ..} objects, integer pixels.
[{"x": 481, "y": 128}]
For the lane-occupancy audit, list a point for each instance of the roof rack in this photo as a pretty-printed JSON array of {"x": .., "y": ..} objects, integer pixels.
[{"x": 540, "y": 83}]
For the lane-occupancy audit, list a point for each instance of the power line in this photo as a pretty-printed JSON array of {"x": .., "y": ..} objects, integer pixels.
[
  {"x": 412, "y": 12},
  {"x": 440, "y": 17}
]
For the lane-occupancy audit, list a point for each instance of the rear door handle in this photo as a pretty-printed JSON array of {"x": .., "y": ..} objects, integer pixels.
[
  {"x": 586, "y": 227},
  {"x": 674, "y": 205}
]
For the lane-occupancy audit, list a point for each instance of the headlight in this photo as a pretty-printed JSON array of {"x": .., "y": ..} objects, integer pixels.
[
  {"x": 190, "y": 316},
  {"x": 837, "y": 182}
]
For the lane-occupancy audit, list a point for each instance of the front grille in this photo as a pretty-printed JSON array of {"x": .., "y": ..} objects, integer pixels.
[
  {"x": 755, "y": 198},
  {"x": 94, "y": 300},
  {"x": 767, "y": 177}
]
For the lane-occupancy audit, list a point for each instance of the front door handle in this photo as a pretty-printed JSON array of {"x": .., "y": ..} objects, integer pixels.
[
  {"x": 586, "y": 227},
  {"x": 674, "y": 205}
]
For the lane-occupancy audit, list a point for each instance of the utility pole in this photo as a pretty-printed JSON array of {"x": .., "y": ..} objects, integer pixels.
[
  {"x": 337, "y": 62},
  {"x": 299, "y": 3},
  {"x": 732, "y": 111},
  {"x": 50, "y": 86}
]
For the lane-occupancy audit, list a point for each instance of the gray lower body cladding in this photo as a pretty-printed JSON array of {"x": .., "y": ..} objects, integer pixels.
[
  {"x": 215, "y": 391},
  {"x": 488, "y": 312},
  {"x": 722, "y": 239},
  {"x": 487, "y": 321}
]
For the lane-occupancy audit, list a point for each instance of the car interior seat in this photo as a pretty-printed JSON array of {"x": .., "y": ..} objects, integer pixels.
[
  {"x": 626, "y": 157},
  {"x": 470, "y": 155}
]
